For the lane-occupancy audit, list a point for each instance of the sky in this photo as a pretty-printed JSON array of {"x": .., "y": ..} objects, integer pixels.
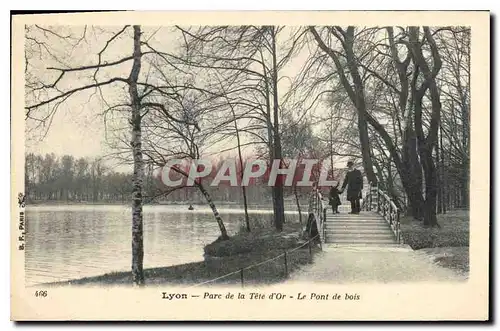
[{"x": 78, "y": 127}]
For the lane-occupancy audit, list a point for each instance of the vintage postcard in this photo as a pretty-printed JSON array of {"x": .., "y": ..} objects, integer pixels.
[{"x": 257, "y": 166}]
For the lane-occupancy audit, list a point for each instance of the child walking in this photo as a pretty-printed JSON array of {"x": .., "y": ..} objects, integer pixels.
[{"x": 334, "y": 199}]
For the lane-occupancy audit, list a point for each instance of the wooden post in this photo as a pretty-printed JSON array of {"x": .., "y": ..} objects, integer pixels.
[
  {"x": 310, "y": 250},
  {"x": 286, "y": 265},
  {"x": 371, "y": 198},
  {"x": 324, "y": 226},
  {"x": 390, "y": 212},
  {"x": 378, "y": 199},
  {"x": 241, "y": 276},
  {"x": 398, "y": 227}
]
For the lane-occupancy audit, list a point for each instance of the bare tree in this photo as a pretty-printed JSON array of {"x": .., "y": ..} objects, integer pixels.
[
  {"x": 166, "y": 139},
  {"x": 56, "y": 85},
  {"x": 355, "y": 91},
  {"x": 251, "y": 58},
  {"x": 394, "y": 80}
]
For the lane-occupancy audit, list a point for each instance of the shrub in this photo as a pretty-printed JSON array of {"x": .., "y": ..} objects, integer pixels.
[
  {"x": 249, "y": 242},
  {"x": 454, "y": 231},
  {"x": 435, "y": 238}
]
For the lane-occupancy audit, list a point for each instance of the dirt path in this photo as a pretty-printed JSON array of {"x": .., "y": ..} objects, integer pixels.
[{"x": 373, "y": 264}]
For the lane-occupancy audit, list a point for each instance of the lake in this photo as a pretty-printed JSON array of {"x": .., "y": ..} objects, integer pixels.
[{"x": 66, "y": 242}]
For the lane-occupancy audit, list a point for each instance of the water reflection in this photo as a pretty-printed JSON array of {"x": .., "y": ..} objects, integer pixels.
[{"x": 73, "y": 241}]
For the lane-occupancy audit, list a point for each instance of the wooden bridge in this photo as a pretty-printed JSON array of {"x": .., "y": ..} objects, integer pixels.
[{"x": 378, "y": 223}]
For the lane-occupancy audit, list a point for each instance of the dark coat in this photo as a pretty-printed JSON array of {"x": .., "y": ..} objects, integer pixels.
[
  {"x": 354, "y": 181},
  {"x": 334, "y": 199}
]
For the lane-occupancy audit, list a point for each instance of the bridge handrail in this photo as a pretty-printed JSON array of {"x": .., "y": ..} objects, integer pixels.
[{"x": 386, "y": 207}]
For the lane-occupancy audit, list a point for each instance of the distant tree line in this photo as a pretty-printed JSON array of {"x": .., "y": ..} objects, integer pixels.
[
  {"x": 70, "y": 179},
  {"x": 67, "y": 178}
]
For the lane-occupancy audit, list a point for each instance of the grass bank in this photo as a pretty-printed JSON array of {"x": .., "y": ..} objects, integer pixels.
[
  {"x": 448, "y": 245},
  {"x": 224, "y": 257}
]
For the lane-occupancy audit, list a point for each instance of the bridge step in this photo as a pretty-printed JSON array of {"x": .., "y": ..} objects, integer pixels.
[
  {"x": 360, "y": 241},
  {"x": 346, "y": 220},
  {"x": 364, "y": 228},
  {"x": 351, "y": 216},
  {"x": 340, "y": 218},
  {"x": 361, "y": 217},
  {"x": 372, "y": 233},
  {"x": 357, "y": 224},
  {"x": 358, "y": 230},
  {"x": 371, "y": 236},
  {"x": 364, "y": 220}
]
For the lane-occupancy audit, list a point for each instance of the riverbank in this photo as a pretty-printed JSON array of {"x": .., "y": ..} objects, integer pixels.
[
  {"x": 447, "y": 246},
  {"x": 260, "y": 253}
]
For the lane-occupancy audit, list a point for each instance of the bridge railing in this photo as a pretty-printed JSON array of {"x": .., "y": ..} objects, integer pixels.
[{"x": 379, "y": 201}]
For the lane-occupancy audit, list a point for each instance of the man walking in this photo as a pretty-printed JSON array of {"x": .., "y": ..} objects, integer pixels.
[{"x": 354, "y": 181}]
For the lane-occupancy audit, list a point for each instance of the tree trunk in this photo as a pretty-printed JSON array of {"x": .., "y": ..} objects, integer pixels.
[
  {"x": 439, "y": 182},
  {"x": 465, "y": 183},
  {"x": 298, "y": 204},
  {"x": 270, "y": 139},
  {"x": 138, "y": 175},
  {"x": 331, "y": 143},
  {"x": 390, "y": 187},
  {"x": 360, "y": 106},
  {"x": 279, "y": 216},
  {"x": 444, "y": 184},
  {"x": 430, "y": 219},
  {"x": 245, "y": 203},
  {"x": 380, "y": 175},
  {"x": 427, "y": 143},
  {"x": 411, "y": 175},
  {"x": 243, "y": 188},
  {"x": 210, "y": 202}
]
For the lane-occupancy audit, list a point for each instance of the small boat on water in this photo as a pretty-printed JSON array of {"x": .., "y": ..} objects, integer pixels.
[{"x": 190, "y": 207}]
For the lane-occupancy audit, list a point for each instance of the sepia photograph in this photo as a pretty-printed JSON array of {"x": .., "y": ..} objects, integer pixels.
[{"x": 203, "y": 164}]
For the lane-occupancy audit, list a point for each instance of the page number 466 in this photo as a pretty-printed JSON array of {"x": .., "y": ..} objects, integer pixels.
[{"x": 40, "y": 294}]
